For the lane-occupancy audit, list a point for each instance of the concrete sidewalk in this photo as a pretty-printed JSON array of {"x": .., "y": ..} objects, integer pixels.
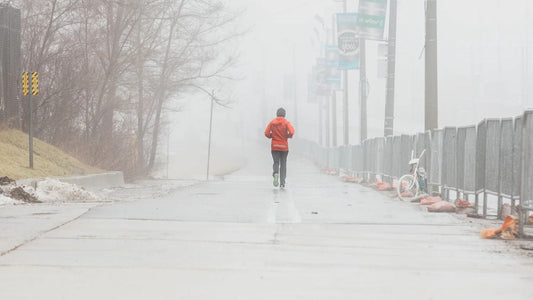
[
  {"x": 21, "y": 224},
  {"x": 240, "y": 238}
]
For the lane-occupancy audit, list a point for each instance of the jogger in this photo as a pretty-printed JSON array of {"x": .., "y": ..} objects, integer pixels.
[{"x": 279, "y": 130}]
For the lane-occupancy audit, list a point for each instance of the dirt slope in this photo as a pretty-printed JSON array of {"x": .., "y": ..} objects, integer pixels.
[{"x": 48, "y": 161}]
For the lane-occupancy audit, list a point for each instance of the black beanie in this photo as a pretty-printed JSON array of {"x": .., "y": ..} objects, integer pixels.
[{"x": 280, "y": 112}]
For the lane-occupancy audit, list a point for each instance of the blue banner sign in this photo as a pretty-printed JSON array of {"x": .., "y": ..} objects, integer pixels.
[{"x": 348, "y": 41}]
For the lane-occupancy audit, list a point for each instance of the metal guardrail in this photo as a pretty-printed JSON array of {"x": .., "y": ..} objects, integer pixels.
[
  {"x": 493, "y": 158},
  {"x": 526, "y": 182},
  {"x": 449, "y": 169}
]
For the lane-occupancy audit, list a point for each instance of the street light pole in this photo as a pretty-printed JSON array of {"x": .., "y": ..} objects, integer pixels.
[
  {"x": 294, "y": 87},
  {"x": 431, "y": 77},
  {"x": 362, "y": 88},
  {"x": 346, "y": 122},
  {"x": 391, "y": 68},
  {"x": 333, "y": 107}
]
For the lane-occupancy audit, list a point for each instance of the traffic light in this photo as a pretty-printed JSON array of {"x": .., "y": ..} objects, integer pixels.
[
  {"x": 25, "y": 85},
  {"x": 34, "y": 83}
]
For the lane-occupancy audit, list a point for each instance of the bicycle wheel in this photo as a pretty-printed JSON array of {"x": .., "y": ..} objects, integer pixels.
[{"x": 407, "y": 187}]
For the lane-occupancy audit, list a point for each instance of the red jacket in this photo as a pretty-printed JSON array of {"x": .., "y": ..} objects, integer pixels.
[{"x": 279, "y": 130}]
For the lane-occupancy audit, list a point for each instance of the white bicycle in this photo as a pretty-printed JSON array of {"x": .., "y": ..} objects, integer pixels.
[{"x": 409, "y": 184}]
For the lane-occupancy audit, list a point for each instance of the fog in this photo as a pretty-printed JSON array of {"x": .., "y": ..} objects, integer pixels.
[{"x": 483, "y": 69}]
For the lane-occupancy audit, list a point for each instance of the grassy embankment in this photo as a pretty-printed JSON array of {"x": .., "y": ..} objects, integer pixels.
[{"x": 48, "y": 161}]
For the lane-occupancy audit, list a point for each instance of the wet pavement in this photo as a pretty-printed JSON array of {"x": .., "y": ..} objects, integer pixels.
[{"x": 237, "y": 237}]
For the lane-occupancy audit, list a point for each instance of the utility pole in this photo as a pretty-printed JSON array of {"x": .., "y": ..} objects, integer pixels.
[
  {"x": 210, "y": 129},
  {"x": 362, "y": 88},
  {"x": 391, "y": 68},
  {"x": 319, "y": 105},
  {"x": 294, "y": 90},
  {"x": 525, "y": 61},
  {"x": 431, "y": 78},
  {"x": 333, "y": 95},
  {"x": 334, "y": 119},
  {"x": 328, "y": 124},
  {"x": 346, "y": 122}
]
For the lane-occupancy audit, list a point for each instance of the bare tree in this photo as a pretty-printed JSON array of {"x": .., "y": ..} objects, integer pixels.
[
  {"x": 189, "y": 56},
  {"x": 108, "y": 67}
]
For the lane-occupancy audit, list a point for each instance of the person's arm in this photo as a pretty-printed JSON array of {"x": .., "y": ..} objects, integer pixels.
[
  {"x": 290, "y": 130},
  {"x": 268, "y": 131}
]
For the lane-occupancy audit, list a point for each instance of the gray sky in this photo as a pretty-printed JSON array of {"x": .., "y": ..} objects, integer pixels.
[
  {"x": 483, "y": 67},
  {"x": 484, "y": 72}
]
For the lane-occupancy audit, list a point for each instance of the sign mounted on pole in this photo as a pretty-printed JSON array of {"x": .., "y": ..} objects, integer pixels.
[
  {"x": 348, "y": 41},
  {"x": 321, "y": 75},
  {"x": 34, "y": 83},
  {"x": 25, "y": 84},
  {"x": 333, "y": 74},
  {"x": 371, "y": 19},
  {"x": 311, "y": 86}
]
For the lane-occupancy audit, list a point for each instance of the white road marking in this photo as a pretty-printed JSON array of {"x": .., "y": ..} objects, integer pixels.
[
  {"x": 272, "y": 212},
  {"x": 294, "y": 215}
]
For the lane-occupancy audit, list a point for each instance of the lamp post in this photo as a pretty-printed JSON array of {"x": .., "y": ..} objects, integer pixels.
[
  {"x": 431, "y": 77},
  {"x": 345, "y": 119},
  {"x": 391, "y": 68}
]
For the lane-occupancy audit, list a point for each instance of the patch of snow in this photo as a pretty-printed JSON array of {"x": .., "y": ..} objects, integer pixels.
[
  {"x": 4, "y": 200},
  {"x": 53, "y": 190},
  {"x": 6, "y": 189}
]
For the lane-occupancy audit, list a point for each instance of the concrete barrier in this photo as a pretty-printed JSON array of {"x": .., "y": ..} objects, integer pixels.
[
  {"x": 96, "y": 181},
  {"x": 92, "y": 181}
]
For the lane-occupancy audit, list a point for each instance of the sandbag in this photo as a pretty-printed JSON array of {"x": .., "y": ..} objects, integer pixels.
[
  {"x": 460, "y": 203},
  {"x": 430, "y": 200},
  {"x": 351, "y": 179},
  {"x": 442, "y": 206},
  {"x": 489, "y": 233},
  {"x": 383, "y": 186},
  {"x": 508, "y": 231}
]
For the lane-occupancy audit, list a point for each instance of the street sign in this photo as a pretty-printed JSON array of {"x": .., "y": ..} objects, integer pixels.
[
  {"x": 371, "y": 19},
  {"x": 25, "y": 84},
  {"x": 347, "y": 41},
  {"x": 34, "y": 83},
  {"x": 333, "y": 74}
]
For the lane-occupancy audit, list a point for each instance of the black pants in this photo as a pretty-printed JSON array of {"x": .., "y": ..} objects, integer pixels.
[{"x": 280, "y": 164}]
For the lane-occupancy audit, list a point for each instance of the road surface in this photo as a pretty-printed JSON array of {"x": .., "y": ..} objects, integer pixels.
[{"x": 237, "y": 237}]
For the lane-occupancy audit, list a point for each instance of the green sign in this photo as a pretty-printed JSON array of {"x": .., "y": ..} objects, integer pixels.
[
  {"x": 368, "y": 21},
  {"x": 371, "y": 19}
]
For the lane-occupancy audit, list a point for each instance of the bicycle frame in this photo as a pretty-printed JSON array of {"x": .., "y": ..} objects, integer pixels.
[
  {"x": 414, "y": 173},
  {"x": 415, "y": 162}
]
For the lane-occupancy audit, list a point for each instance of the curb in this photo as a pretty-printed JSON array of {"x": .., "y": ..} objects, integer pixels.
[{"x": 92, "y": 181}]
